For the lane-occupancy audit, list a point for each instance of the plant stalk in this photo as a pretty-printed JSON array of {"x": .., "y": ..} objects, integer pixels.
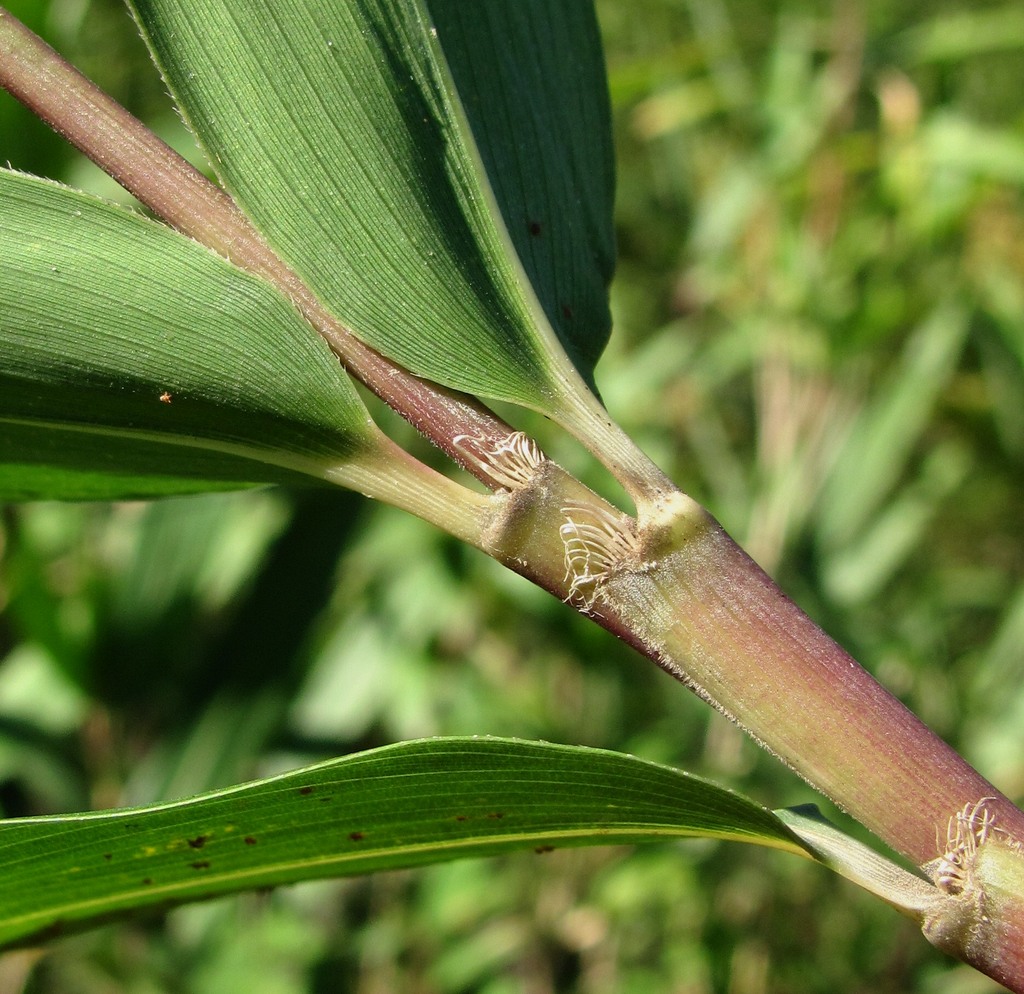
[
  {"x": 705, "y": 608},
  {"x": 684, "y": 594}
]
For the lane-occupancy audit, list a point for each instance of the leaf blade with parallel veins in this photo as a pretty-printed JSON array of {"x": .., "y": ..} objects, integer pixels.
[
  {"x": 159, "y": 366},
  {"x": 338, "y": 131},
  {"x": 404, "y": 805}
]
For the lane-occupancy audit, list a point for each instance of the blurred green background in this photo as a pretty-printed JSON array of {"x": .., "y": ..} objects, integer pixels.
[{"x": 819, "y": 333}]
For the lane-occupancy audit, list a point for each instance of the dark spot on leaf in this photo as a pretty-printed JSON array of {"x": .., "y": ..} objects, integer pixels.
[
  {"x": 567, "y": 312},
  {"x": 108, "y": 856},
  {"x": 462, "y": 817},
  {"x": 147, "y": 881},
  {"x": 198, "y": 842},
  {"x": 326, "y": 800},
  {"x": 543, "y": 849},
  {"x": 305, "y": 791},
  {"x": 535, "y": 228},
  {"x": 496, "y": 814},
  {"x": 250, "y": 840},
  {"x": 202, "y": 864},
  {"x": 356, "y": 836}
]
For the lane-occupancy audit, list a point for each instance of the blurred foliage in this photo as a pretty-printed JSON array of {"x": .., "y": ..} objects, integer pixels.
[{"x": 819, "y": 332}]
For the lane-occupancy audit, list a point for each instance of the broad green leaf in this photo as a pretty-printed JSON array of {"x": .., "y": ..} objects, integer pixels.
[
  {"x": 531, "y": 77},
  {"x": 337, "y": 128},
  {"x": 134, "y": 362},
  {"x": 400, "y": 806}
]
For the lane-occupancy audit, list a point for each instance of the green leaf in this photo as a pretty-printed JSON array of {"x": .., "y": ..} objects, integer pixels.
[
  {"x": 337, "y": 129},
  {"x": 400, "y": 806},
  {"x": 531, "y": 77},
  {"x": 54, "y": 463},
  {"x": 134, "y": 362}
]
